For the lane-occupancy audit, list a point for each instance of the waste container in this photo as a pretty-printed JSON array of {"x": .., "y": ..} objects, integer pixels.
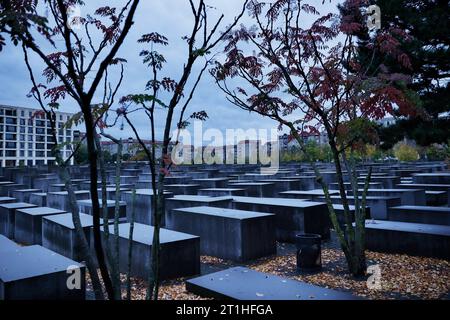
[{"x": 309, "y": 251}]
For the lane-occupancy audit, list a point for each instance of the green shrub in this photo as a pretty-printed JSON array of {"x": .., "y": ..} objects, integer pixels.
[
  {"x": 437, "y": 152},
  {"x": 405, "y": 152}
]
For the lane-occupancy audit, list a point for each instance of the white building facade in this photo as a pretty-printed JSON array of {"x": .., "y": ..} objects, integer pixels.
[{"x": 26, "y": 139}]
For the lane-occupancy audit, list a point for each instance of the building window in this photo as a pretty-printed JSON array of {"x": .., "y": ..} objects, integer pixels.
[
  {"x": 10, "y": 136},
  {"x": 40, "y": 146},
  {"x": 30, "y": 153},
  {"x": 10, "y": 153},
  {"x": 40, "y": 131},
  {"x": 22, "y": 145},
  {"x": 11, "y": 129},
  {"x": 22, "y": 122},
  {"x": 22, "y": 137},
  {"x": 22, "y": 153},
  {"x": 10, "y": 145},
  {"x": 9, "y": 112},
  {"x": 11, "y": 121},
  {"x": 30, "y": 138},
  {"x": 30, "y": 145},
  {"x": 22, "y": 130},
  {"x": 22, "y": 113},
  {"x": 30, "y": 130}
]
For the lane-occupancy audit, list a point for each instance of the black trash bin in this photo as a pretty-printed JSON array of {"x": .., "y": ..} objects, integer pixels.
[{"x": 309, "y": 258}]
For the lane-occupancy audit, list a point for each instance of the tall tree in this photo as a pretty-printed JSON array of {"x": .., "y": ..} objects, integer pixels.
[
  {"x": 308, "y": 78},
  {"x": 77, "y": 65},
  {"x": 427, "y": 46},
  {"x": 204, "y": 36}
]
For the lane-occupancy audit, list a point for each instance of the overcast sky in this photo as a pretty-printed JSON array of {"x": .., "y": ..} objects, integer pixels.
[{"x": 173, "y": 19}]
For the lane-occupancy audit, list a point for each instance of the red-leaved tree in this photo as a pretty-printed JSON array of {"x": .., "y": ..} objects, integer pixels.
[{"x": 308, "y": 78}]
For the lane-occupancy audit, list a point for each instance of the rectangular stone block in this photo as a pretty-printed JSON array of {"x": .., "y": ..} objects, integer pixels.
[
  {"x": 420, "y": 214},
  {"x": 7, "y": 190},
  {"x": 179, "y": 256},
  {"x": 407, "y": 196},
  {"x": 36, "y": 273},
  {"x": 58, "y": 234},
  {"x": 292, "y": 216},
  {"x": 313, "y": 195},
  {"x": 39, "y": 199},
  {"x": 60, "y": 200},
  {"x": 379, "y": 206},
  {"x": 23, "y": 195},
  {"x": 187, "y": 201},
  {"x": 85, "y": 206},
  {"x": 143, "y": 206},
  {"x": 6, "y": 244},
  {"x": 7, "y": 200},
  {"x": 416, "y": 239},
  {"x": 256, "y": 189},
  {"x": 239, "y": 283},
  {"x": 188, "y": 189},
  {"x": 227, "y": 233},
  {"x": 8, "y": 217},
  {"x": 221, "y": 192},
  {"x": 212, "y": 182},
  {"x": 28, "y": 226}
]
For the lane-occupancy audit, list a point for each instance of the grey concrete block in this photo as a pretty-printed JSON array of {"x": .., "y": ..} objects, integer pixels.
[
  {"x": 59, "y": 235},
  {"x": 36, "y": 273},
  {"x": 227, "y": 233},
  {"x": 179, "y": 256},
  {"x": 8, "y": 217},
  {"x": 28, "y": 226}
]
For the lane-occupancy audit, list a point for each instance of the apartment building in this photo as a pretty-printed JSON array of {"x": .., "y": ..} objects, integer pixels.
[{"x": 26, "y": 139}]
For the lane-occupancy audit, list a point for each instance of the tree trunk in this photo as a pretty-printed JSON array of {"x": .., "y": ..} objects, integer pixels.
[
  {"x": 116, "y": 253},
  {"x": 93, "y": 155},
  {"x": 110, "y": 255},
  {"x": 81, "y": 237},
  {"x": 130, "y": 244}
]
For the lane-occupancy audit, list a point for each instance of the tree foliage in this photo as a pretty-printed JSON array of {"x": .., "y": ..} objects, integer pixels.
[
  {"x": 311, "y": 78},
  {"x": 427, "y": 46}
]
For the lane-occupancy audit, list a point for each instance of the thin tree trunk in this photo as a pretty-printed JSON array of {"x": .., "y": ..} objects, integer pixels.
[
  {"x": 358, "y": 264},
  {"x": 130, "y": 244},
  {"x": 93, "y": 155},
  {"x": 109, "y": 252},
  {"x": 80, "y": 235},
  {"x": 116, "y": 253},
  {"x": 346, "y": 248}
]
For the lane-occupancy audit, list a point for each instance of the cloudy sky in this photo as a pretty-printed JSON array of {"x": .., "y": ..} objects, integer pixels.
[{"x": 173, "y": 19}]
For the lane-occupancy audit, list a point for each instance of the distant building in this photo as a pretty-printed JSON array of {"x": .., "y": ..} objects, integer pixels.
[
  {"x": 386, "y": 122},
  {"x": 287, "y": 142},
  {"x": 132, "y": 146},
  {"x": 26, "y": 137}
]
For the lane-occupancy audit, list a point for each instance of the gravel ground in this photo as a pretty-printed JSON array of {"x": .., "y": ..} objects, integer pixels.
[{"x": 402, "y": 276}]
